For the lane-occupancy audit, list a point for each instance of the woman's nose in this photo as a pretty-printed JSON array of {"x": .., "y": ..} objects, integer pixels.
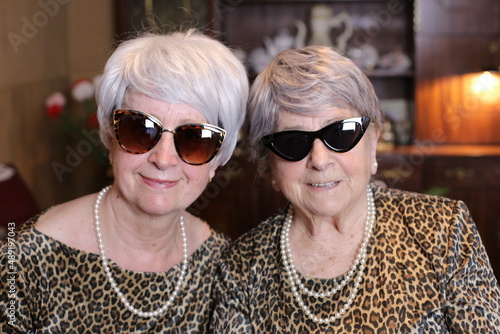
[
  {"x": 320, "y": 155},
  {"x": 164, "y": 153}
]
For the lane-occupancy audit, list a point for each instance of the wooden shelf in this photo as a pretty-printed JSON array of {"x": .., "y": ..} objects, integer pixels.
[
  {"x": 429, "y": 149},
  {"x": 382, "y": 73}
]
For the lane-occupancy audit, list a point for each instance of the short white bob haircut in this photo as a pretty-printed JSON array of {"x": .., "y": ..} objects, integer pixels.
[{"x": 179, "y": 68}]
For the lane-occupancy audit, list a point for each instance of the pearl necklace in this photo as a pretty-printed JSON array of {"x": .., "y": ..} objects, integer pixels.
[
  {"x": 108, "y": 270},
  {"x": 358, "y": 266}
]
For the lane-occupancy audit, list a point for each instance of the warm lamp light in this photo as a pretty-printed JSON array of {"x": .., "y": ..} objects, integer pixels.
[{"x": 487, "y": 86}]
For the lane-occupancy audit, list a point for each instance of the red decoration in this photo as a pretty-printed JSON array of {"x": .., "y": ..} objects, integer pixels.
[{"x": 54, "y": 110}]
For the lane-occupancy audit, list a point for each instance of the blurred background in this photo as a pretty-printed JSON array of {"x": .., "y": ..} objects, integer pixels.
[
  {"x": 433, "y": 63},
  {"x": 45, "y": 46}
]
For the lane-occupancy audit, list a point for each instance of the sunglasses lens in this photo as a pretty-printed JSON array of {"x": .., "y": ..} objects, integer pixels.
[
  {"x": 137, "y": 133},
  {"x": 291, "y": 145},
  {"x": 196, "y": 144},
  {"x": 342, "y": 136}
]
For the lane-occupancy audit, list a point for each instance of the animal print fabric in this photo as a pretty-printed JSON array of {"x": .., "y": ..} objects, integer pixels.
[
  {"x": 427, "y": 272},
  {"x": 59, "y": 289}
]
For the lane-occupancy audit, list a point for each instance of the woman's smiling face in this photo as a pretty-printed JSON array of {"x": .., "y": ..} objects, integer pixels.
[
  {"x": 159, "y": 182},
  {"x": 325, "y": 183}
]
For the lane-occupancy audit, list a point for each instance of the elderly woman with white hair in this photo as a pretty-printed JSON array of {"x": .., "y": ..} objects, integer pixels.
[
  {"x": 345, "y": 255},
  {"x": 131, "y": 259}
]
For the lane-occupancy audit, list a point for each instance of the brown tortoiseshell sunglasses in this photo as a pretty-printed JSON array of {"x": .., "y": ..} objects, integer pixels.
[{"x": 138, "y": 133}]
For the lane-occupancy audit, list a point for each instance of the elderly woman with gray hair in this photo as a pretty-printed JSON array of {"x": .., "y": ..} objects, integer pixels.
[
  {"x": 345, "y": 255},
  {"x": 131, "y": 259}
]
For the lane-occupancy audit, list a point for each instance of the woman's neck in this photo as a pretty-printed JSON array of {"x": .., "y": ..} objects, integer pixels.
[
  {"x": 141, "y": 242},
  {"x": 325, "y": 247}
]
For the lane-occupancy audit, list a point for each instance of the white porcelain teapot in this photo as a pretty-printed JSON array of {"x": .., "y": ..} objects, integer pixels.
[
  {"x": 323, "y": 21},
  {"x": 282, "y": 41}
]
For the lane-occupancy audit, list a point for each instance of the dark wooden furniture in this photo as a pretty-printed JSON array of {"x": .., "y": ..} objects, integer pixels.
[
  {"x": 385, "y": 25},
  {"x": 455, "y": 41}
]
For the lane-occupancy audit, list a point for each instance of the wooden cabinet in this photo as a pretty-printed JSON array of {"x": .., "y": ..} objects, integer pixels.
[
  {"x": 456, "y": 37},
  {"x": 455, "y": 40},
  {"x": 467, "y": 173},
  {"x": 457, "y": 17},
  {"x": 378, "y": 26}
]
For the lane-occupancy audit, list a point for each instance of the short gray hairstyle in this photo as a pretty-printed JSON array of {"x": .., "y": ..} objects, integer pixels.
[
  {"x": 304, "y": 81},
  {"x": 180, "y": 68}
]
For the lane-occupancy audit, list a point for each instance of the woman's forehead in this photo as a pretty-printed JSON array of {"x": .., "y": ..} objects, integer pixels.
[{"x": 313, "y": 120}]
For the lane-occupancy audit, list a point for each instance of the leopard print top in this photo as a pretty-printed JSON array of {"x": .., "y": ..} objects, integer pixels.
[
  {"x": 59, "y": 289},
  {"x": 426, "y": 272}
]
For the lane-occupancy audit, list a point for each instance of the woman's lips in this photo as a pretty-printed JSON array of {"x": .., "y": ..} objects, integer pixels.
[
  {"x": 323, "y": 185},
  {"x": 158, "y": 182}
]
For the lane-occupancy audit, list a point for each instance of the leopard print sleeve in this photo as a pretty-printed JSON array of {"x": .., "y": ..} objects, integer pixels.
[
  {"x": 231, "y": 313},
  {"x": 472, "y": 294},
  {"x": 246, "y": 289}
]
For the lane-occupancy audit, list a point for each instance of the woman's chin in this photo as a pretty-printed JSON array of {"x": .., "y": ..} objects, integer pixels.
[{"x": 154, "y": 206}]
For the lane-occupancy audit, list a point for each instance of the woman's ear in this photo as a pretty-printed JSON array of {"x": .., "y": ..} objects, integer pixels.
[
  {"x": 271, "y": 178},
  {"x": 275, "y": 185},
  {"x": 374, "y": 166},
  {"x": 374, "y": 136}
]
